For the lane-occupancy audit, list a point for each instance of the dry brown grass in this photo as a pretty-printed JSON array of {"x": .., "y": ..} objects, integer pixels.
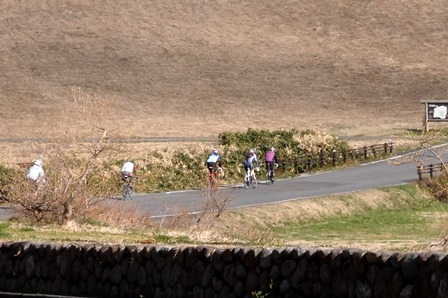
[{"x": 198, "y": 68}]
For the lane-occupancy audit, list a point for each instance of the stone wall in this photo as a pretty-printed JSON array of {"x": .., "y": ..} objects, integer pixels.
[{"x": 155, "y": 271}]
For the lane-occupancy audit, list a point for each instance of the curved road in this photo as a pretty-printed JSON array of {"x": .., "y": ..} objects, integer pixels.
[{"x": 392, "y": 171}]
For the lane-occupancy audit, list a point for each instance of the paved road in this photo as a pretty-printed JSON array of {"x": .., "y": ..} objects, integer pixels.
[{"x": 393, "y": 171}]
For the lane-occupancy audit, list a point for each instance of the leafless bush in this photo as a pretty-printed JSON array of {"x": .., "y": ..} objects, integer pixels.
[
  {"x": 215, "y": 202},
  {"x": 437, "y": 186},
  {"x": 126, "y": 214},
  {"x": 70, "y": 164},
  {"x": 180, "y": 219}
]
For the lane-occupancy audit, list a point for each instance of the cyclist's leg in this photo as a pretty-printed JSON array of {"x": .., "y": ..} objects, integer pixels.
[
  {"x": 246, "y": 176},
  {"x": 253, "y": 178},
  {"x": 271, "y": 165},
  {"x": 125, "y": 189},
  {"x": 210, "y": 167},
  {"x": 267, "y": 171}
]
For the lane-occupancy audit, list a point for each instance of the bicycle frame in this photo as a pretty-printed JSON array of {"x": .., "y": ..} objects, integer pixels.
[
  {"x": 128, "y": 188},
  {"x": 269, "y": 174},
  {"x": 213, "y": 178},
  {"x": 250, "y": 178}
]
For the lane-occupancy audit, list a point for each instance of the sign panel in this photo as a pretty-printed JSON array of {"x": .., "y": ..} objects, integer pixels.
[{"x": 437, "y": 111}]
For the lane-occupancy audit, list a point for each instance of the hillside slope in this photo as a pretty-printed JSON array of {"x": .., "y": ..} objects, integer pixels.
[{"x": 197, "y": 68}]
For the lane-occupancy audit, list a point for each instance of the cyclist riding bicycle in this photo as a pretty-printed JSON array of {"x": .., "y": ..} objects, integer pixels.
[
  {"x": 36, "y": 173},
  {"x": 129, "y": 170},
  {"x": 213, "y": 161},
  {"x": 271, "y": 161},
  {"x": 250, "y": 161}
]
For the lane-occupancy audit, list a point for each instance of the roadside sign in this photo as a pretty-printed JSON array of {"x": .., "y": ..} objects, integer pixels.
[{"x": 435, "y": 111}]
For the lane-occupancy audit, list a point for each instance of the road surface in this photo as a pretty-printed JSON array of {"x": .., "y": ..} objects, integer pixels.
[{"x": 393, "y": 171}]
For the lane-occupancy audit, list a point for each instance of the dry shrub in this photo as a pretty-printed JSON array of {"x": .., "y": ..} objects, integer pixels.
[
  {"x": 438, "y": 187},
  {"x": 314, "y": 140},
  {"x": 125, "y": 214},
  {"x": 215, "y": 202},
  {"x": 232, "y": 231},
  {"x": 69, "y": 192},
  {"x": 180, "y": 219}
]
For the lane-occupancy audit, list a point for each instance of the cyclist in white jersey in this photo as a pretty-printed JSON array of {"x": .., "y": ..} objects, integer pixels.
[
  {"x": 36, "y": 173},
  {"x": 251, "y": 160},
  {"x": 128, "y": 170}
]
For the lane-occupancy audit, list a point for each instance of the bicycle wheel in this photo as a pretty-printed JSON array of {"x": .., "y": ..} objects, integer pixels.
[
  {"x": 253, "y": 181},
  {"x": 268, "y": 176},
  {"x": 247, "y": 179},
  {"x": 127, "y": 191},
  {"x": 213, "y": 181}
]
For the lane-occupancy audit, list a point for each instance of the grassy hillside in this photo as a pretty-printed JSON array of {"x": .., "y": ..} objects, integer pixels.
[{"x": 197, "y": 68}]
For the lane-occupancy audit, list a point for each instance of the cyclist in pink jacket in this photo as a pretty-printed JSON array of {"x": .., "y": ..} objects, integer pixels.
[{"x": 271, "y": 160}]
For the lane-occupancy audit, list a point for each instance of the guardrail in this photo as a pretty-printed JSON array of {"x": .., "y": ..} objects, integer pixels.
[
  {"x": 431, "y": 170},
  {"x": 312, "y": 161}
]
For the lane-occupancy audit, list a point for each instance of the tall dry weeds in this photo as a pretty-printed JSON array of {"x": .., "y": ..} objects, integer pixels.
[{"x": 69, "y": 164}]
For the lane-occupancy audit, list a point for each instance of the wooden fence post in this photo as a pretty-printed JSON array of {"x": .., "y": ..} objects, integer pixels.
[
  {"x": 373, "y": 150},
  {"x": 321, "y": 159},
  {"x": 365, "y": 152},
  {"x": 308, "y": 163},
  {"x": 297, "y": 165},
  {"x": 431, "y": 170},
  {"x": 420, "y": 172}
]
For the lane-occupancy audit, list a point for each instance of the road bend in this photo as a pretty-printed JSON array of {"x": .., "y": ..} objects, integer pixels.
[{"x": 389, "y": 172}]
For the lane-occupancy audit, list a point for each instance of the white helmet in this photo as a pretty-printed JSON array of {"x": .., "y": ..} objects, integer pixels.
[
  {"x": 272, "y": 149},
  {"x": 252, "y": 151},
  {"x": 215, "y": 151},
  {"x": 38, "y": 162}
]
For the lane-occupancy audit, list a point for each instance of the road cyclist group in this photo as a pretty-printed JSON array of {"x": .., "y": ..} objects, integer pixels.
[
  {"x": 251, "y": 166},
  {"x": 36, "y": 175}
]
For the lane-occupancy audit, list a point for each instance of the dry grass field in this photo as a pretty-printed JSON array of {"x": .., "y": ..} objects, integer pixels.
[{"x": 198, "y": 68}]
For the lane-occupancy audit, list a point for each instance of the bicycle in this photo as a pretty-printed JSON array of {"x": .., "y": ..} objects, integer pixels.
[
  {"x": 213, "y": 178},
  {"x": 128, "y": 188},
  {"x": 250, "y": 179},
  {"x": 270, "y": 173}
]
